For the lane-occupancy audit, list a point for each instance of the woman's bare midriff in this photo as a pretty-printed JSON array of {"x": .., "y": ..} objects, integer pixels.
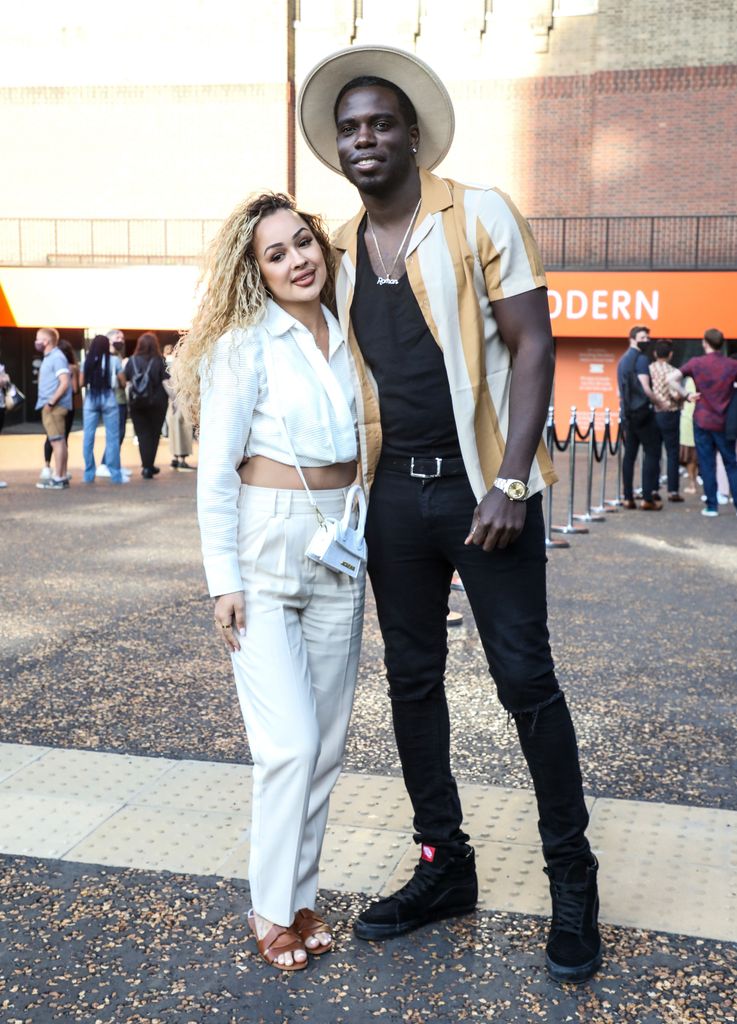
[{"x": 260, "y": 471}]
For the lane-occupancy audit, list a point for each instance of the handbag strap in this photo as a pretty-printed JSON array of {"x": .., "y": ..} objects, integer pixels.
[{"x": 274, "y": 393}]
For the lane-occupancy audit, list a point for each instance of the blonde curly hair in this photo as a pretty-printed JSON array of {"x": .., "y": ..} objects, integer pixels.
[{"x": 233, "y": 291}]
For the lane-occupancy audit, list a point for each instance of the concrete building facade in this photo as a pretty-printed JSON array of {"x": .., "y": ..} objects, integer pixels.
[{"x": 175, "y": 110}]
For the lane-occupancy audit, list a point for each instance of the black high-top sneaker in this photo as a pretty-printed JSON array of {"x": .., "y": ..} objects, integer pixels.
[
  {"x": 573, "y": 951},
  {"x": 439, "y": 888}
]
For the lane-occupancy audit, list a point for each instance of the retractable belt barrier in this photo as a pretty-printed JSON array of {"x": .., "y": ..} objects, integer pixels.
[{"x": 596, "y": 453}]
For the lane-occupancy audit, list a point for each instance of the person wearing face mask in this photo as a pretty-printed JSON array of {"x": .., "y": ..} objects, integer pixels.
[
  {"x": 638, "y": 404},
  {"x": 55, "y": 402},
  {"x": 265, "y": 372},
  {"x": 66, "y": 349}
]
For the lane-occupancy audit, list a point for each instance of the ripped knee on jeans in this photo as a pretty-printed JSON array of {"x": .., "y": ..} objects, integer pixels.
[{"x": 530, "y": 714}]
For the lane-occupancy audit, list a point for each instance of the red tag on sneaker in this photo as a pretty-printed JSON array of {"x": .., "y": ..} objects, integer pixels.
[{"x": 428, "y": 853}]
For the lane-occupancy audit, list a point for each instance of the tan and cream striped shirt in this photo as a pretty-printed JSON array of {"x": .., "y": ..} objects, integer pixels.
[{"x": 470, "y": 247}]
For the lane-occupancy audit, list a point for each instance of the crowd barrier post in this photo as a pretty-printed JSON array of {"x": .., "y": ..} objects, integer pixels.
[
  {"x": 549, "y": 542},
  {"x": 603, "y": 504},
  {"x": 570, "y": 526},
  {"x": 590, "y": 516},
  {"x": 616, "y": 502}
]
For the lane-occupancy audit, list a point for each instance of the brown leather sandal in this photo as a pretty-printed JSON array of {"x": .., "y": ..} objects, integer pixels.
[
  {"x": 278, "y": 940},
  {"x": 306, "y": 924}
]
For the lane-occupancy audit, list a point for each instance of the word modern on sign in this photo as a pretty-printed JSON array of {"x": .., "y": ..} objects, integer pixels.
[{"x": 602, "y": 304}]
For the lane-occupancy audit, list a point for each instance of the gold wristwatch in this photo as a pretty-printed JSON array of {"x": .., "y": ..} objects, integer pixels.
[{"x": 515, "y": 490}]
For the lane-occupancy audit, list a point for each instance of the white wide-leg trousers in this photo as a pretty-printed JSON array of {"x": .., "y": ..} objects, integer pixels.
[{"x": 295, "y": 675}]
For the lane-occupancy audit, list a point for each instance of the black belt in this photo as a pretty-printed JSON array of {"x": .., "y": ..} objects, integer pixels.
[{"x": 424, "y": 467}]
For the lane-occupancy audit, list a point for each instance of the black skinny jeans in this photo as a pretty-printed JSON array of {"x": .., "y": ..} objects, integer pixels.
[
  {"x": 669, "y": 425},
  {"x": 641, "y": 432},
  {"x": 147, "y": 423},
  {"x": 415, "y": 532}
]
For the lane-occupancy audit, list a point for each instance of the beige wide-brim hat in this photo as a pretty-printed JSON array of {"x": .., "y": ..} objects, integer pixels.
[{"x": 320, "y": 90}]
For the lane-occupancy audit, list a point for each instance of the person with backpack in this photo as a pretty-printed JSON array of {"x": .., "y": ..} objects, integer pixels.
[
  {"x": 146, "y": 372},
  {"x": 637, "y": 403},
  {"x": 100, "y": 376}
]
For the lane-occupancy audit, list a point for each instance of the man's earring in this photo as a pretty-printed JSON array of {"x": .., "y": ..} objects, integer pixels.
[{"x": 414, "y": 149}]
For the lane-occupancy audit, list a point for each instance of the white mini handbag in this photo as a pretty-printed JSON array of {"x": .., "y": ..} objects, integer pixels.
[{"x": 335, "y": 544}]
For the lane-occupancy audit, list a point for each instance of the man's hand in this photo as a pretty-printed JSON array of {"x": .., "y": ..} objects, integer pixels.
[
  {"x": 230, "y": 617},
  {"x": 497, "y": 521}
]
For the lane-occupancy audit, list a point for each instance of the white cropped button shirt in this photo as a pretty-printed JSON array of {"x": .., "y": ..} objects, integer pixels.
[{"x": 239, "y": 418}]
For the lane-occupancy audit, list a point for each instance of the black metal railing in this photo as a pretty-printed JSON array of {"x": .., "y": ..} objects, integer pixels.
[
  {"x": 67, "y": 242},
  {"x": 707, "y": 242},
  {"x": 638, "y": 243}
]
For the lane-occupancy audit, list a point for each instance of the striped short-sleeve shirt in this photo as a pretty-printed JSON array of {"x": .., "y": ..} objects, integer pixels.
[{"x": 470, "y": 247}]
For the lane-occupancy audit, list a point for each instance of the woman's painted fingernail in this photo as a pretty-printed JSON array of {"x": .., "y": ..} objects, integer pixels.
[{"x": 242, "y": 631}]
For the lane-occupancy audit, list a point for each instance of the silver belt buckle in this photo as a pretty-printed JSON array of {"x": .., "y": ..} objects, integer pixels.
[{"x": 425, "y": 476}]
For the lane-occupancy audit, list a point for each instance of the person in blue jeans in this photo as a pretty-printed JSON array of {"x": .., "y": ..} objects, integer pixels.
[
  {"x": 715, "y": 378},
  {"x": 101, "y": 375}
]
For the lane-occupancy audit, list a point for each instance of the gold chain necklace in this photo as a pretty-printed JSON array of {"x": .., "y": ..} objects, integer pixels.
[{"x": 387, "y": 278}]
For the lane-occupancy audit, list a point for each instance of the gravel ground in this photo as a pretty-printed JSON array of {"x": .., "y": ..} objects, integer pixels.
[{"x": 89, "y": 944}]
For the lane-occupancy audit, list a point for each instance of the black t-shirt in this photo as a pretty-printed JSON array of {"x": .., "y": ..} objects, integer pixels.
[
  {"x": 632, "y": 395},
  {"x": 407, "y": 364}
]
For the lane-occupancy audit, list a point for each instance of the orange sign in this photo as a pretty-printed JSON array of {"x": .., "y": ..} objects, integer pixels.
[
  {"x": 605, "y": 304},
  {"x": 585, "y": 304},
  {"x": 586, "y": 377}
]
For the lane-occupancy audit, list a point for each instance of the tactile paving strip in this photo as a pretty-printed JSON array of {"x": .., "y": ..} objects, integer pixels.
[
  {"x": 160, "y": 839},
  {"x": 498, "y": 815},
  {"x": 370, "y": 801},
  {"x": 33, "y": 825},
  {"x": 201, "y": 786},
  {"x": 86, "y": 775},
  {"x": 667, "y": 867},
  {"x": 14, "y": 756},
  {"x": 664, "y": 867},
  {"x": 235, "y": 863},
  {"x": 360, "y": 859}
]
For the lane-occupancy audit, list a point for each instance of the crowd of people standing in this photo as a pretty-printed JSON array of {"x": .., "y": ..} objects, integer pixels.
[
  {"x": 111, "y": 388},
  {"x": 691, "y": 412}
]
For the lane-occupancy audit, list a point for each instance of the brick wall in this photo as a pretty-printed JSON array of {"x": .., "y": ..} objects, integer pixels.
[{"x": 648, "y": 141}]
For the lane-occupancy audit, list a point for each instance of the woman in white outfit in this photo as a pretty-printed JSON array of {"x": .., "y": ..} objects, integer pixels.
[{"x": 262, "y": 347}]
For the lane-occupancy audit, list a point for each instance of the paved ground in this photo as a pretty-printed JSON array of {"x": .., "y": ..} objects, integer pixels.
[{"x": 106, "y": 644}]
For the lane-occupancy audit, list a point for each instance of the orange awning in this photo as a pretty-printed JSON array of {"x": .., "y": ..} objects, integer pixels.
[
  {"x": 583, "y": 304},
  {"x": 150, "y": 296}
]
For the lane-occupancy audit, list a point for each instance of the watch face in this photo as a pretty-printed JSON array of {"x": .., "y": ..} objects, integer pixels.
[{"x": 516, "y": 490}]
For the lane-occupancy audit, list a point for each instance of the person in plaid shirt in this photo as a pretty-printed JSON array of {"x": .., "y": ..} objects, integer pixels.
[{"x": 715, "y": 378}]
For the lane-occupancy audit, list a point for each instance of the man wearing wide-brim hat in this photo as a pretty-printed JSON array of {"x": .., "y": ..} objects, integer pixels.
[{"x": 442, "y": 296}]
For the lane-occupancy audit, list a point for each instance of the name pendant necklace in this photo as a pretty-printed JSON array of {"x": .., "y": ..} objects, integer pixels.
[{"x": 387, "y": 278}]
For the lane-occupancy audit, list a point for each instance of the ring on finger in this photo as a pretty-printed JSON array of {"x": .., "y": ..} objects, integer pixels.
[{"x": 225, "y": 627}]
